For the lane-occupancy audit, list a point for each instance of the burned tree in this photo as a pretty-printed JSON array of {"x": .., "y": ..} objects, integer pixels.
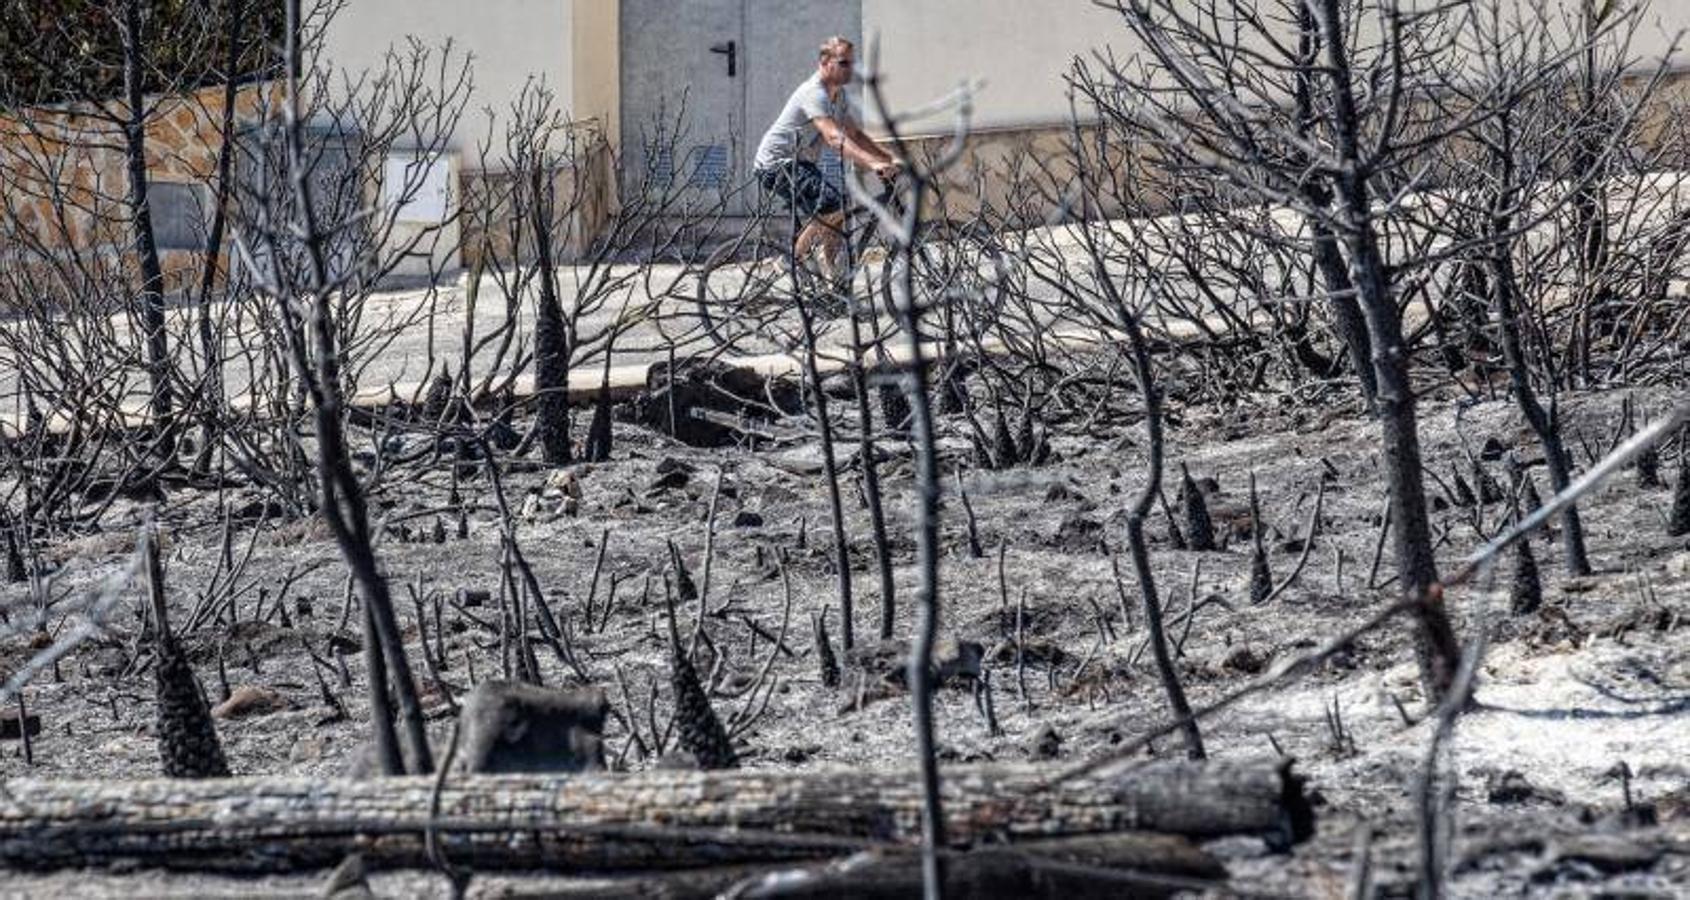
[
  {"x": 1220, "y": 119},
  {"x": 286, "y": 236},
  {"x": 187, "y": 738},
  {"x": 902, "y": 229},
  {"x": 1556, "y": 123}
]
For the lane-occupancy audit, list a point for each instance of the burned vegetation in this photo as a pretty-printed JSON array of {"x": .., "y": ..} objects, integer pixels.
[{"x": 1273, "y": 483}]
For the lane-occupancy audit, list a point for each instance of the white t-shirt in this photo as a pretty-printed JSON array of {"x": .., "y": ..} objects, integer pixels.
[{"x": 794, "y": 134}]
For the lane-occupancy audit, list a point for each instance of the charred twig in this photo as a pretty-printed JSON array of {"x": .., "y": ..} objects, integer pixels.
[
  {"x": 1592, "y": 478},
  {"x": 1431, "y": 823},
  {"x": 593, "y": 583},
  {"x": 1021, "y": 651},
  {"x": 974, "y": 551},
  {"x": 1379, "y": 543},
  {"x": 1261, "y": 577},
  {"x": 1308, "y": 545},
  {"x": 827, "y": 662}
]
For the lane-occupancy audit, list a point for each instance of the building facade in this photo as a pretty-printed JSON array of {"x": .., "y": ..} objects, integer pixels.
[{"x": 656, "y": 91}]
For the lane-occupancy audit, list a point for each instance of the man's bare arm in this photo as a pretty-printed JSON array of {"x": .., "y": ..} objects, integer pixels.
[
  {"x": 854, "y": 145},
  {"x": 869, "y": 144}
]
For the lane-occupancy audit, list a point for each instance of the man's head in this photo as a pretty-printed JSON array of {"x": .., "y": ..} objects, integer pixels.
[{"x": 836, "y": 62}]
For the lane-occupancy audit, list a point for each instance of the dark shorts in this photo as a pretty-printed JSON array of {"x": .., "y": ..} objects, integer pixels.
[{"x": 801, "y": 184}]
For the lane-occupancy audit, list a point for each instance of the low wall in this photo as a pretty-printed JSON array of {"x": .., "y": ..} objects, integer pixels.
[
  {"x": 64, "y": 183},
  {"x": 1020, "y": 174},
  {"x": 583, "y": 200}
]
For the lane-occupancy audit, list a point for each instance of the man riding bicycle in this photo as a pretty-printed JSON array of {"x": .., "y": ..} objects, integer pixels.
[{"x": 818, "y": 113}]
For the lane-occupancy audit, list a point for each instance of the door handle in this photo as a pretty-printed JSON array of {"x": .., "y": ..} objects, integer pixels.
[{"x": 731, "y": 50}]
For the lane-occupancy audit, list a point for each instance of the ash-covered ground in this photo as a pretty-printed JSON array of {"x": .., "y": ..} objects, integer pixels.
[{"x": 1568, "y": 774}]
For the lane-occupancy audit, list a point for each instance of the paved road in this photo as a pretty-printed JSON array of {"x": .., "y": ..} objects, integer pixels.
[{"x": 399, "y": 338}]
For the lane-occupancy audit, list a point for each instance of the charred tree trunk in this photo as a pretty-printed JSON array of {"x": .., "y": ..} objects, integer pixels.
[
  {"x": 830, "y": 467},
  {"x": 1504, "y": 287},
  {"x": 383, "y": 739},
  {"x": 609, "y": 822},
  {"x": 15, "y": 540},
  {"x": 1136, "y": 544},
  {"x": 187, "y": 738},
  {"x": 1589, "y": 201},
  {"x": 1123, "y": 866},
  {"x": 1328, "y": 258},
  {"x": 835, "y": 503},
  {"x": 935, "y": 827},
  {"x": 1352, "y": 324},
  {"x": 1435, "y": 646},
  {"x": 551, "y": 333},
  {"x": 151, "y": 300},
  {"x": 1545, "y": 423},
  {"x": 211, "y": 381},
  {"x": 599, "y": 441},
  {"x": 313, "y": 348},
  {"x": 1119, "y": 314},
  {"x": 871, "y": 478}
]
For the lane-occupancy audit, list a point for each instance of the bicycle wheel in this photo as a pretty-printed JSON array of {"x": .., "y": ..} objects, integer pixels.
[
  {"x": 741, "y": 289},
  {"x": 963, "y": 270},
  {"x": 944, "y": 268}
]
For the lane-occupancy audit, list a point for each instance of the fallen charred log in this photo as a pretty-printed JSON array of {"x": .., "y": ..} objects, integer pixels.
[{"x": 620, "y": 822}]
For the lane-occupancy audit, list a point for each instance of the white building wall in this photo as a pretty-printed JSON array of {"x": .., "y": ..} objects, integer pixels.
[
  {"x": 509, "y": 41},
  {"x": 597, "y": 64},
  {"x": 1021, "y": 48}
]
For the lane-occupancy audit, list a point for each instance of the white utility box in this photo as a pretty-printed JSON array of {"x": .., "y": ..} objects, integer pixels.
[{"x": 419, "y": 191}]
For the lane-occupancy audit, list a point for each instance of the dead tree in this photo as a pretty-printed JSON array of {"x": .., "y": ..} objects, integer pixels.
[
  {"x": 1113, "y": 299},
  {"x": 187, "y": 738},
  {"x": 1544, "y": 163},
  {"x": 151, "y": 298},
  {"x": 544, "y": 227},
  {"x": 305, "y": 292},
  {"x": 1318, "y": 194},
  {"x": 1222, "y": 63},
  {"x": 211, "y": 355},
  {"x": 1437, "y": 652},
  {"x": 110, "y": 71},
  {"x": 806, "y": 293},
  {"x": 551, "y": 338},
  {"x": 902, "y": 228},
  {"x": 79, "y": 105}
]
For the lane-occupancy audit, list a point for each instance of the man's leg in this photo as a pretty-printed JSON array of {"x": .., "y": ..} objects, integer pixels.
[
  {"x": 825, "y": 230},
  {"x": 812, "y": 196}
]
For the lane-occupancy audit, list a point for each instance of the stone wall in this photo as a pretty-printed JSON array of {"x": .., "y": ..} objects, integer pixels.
[
  {"x": 64, "y": 187},
  {"x": 1020, "y": 173},
  {"x": 584, "y": 192},
  {"x": 64, "y": 183}
]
